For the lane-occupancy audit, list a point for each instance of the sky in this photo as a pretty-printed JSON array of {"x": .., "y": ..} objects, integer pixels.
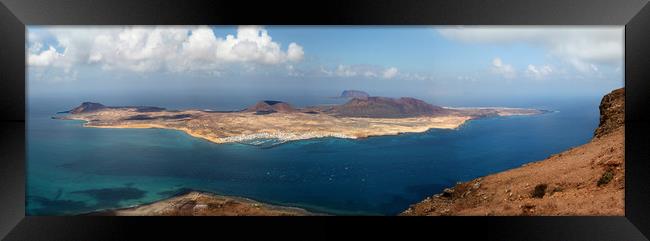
[{"x": 445, "y": 65}]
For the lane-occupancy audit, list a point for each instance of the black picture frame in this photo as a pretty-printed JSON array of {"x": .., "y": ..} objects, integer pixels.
[{"x": 16, "y": 14}]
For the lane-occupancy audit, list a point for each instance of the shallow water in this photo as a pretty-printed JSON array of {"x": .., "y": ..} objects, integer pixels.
[{"x": 72, "y": 169}]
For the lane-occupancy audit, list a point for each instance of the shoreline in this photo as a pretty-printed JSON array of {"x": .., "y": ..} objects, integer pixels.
[
  {"x": 282, "y": 137},
  {"x": 288, "y": 137}
]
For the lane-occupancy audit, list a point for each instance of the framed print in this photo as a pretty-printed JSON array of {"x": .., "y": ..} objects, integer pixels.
[{"x": 529, "y": 115}]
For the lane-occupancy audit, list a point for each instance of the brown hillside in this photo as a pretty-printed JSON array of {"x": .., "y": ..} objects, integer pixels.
[{"x": 586, "y": 180}]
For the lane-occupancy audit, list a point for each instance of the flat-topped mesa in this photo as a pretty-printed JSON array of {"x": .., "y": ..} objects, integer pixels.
[
  {"x": 86, "y": 107},
  {"x": 384, "y": 107},
  {"x": 354, "y": 94},
  {"x": 270, "y": 106}
]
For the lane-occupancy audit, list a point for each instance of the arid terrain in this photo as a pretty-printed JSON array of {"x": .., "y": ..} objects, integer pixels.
[
  {"x": 358, "y": 118},
  {"x": 205, "y": 204},
  {"x": 585, "y": 180}
]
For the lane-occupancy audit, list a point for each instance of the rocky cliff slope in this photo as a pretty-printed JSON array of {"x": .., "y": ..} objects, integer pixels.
[
  {"x": 612, "y": 112},
  {"x": 585, "y": 180}
]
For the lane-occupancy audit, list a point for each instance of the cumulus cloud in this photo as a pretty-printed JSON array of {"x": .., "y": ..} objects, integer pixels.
[
  {"x": 137, "y": 49},
  {"x": 44, "y": 58},
  {"x": 581, "y": 47},
  {"x": 538, "y": 72},
  {"x": 295, "y": 52},
  {"x": 143, "y": 49},
  {"x": 505, "y": 70}
]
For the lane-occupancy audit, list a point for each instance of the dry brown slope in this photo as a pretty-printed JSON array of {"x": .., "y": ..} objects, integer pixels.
[
  {"x": 586, "y": 180},
  {"x": 206, "y": 204}
]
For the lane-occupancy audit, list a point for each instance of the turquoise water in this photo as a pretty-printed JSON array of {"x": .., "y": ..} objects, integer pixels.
[{"x": 73, "y": 170}]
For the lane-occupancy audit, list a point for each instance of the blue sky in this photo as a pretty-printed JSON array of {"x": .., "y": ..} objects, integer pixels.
[{"x": 441, "y": 64}]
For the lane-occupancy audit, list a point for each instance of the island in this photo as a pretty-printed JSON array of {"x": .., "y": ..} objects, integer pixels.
[{"x": 282, "y": 122}]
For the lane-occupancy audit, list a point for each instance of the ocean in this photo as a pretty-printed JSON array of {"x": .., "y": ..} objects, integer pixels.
[{"x": 74, "y": 170}]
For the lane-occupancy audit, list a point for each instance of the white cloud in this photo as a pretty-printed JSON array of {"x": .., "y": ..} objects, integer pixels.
[
  {"x": 390, "y": 73},
  {"x": 505, "y": 70},
  {"x": 138, "y": 49},
  {"x": 580, "y": 47},
  {"x": 416, "y": 76},
  {"x": 44, "y": 58},
  {"x": 144, "y": 49},
  {"x": 538, "y": 72},
  {"x": 295, "y": 52},
  {"x": 346, "y": 71},
  {"x": 367, "y": 71}
]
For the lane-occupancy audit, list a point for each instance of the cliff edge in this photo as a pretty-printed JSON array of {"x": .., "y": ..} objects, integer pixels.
[
  {"x": 585, "y": 180},
  {"x": 612, "y": 112}
]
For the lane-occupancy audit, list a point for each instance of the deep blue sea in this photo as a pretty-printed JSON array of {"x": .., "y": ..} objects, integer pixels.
[{"x": 73, "y": 170}]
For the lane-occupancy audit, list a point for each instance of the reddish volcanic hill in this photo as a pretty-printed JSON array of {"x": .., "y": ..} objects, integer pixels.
[
  {"x": 384, "y": 107},
  {"x": 270, "y": 106}
]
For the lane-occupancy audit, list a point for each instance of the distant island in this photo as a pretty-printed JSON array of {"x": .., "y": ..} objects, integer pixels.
[
  {"x": 280, "y": 121},
  {"x": 354, "y": 94}
]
